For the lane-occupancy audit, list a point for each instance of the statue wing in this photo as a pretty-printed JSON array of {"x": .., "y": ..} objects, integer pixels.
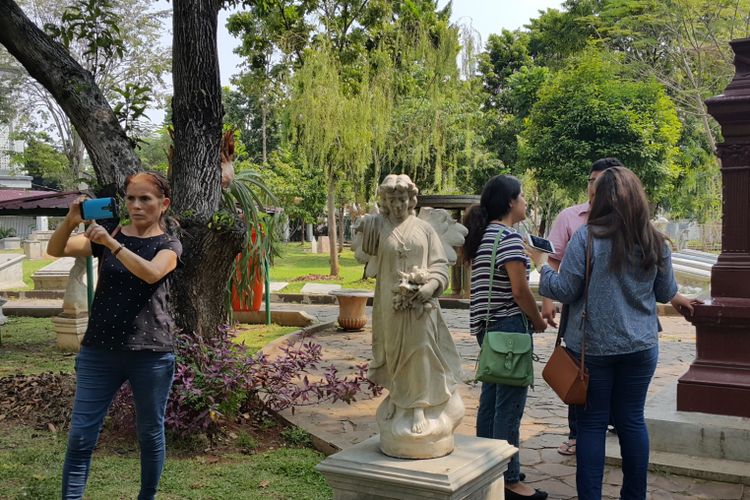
[
  {"x": 365, "y": 240},
  {"x": 451, "y": 233}
]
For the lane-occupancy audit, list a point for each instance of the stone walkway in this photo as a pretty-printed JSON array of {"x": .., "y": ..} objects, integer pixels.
[{"x": 544, "y": 425}]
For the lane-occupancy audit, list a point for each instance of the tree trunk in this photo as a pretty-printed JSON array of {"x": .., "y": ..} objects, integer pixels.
[
  {"x": 199, "y": 299},
  {"x": 342, "y": 229},
  {"x": 332, "y": 227},
  {"x": 263, "y": 131},
  {"x": 75, "y": 91}
]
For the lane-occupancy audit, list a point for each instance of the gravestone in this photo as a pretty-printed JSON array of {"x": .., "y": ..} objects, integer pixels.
[
  {"x": 324, "y": 244},
  {"x": 32, "y": 249},
  {"x": 11, "y": 243},
  {"x": 55, "y": 275}
]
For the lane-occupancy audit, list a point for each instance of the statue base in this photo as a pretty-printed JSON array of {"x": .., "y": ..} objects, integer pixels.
[
  {"x": 70, "y": 332},
  {"x": 399, "y": 440},
  {"x": 474, "y": 471}
]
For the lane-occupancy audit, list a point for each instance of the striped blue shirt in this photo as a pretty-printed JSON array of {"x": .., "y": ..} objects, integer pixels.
[{"x": 509, "y": 248}]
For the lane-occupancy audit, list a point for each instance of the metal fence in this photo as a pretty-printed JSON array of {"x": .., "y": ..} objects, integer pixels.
[{"x": 21, "y": 224}]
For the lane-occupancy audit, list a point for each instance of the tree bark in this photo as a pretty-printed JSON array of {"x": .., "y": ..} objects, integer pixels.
[
  {"x": 199, "y": 293},
  {"x": 208, "y": 253},
  {"x": 75, "y": 91},
  {"x": 332, "y": 243}
]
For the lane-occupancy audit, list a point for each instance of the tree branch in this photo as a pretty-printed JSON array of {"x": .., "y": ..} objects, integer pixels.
[{"x": 75, "y": 91}]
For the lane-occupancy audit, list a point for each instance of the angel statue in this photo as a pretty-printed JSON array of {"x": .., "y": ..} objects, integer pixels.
[{"x": 413, "y": 354}]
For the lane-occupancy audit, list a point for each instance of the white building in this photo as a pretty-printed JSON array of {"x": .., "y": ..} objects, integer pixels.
[{"x": 8, "y": 146}]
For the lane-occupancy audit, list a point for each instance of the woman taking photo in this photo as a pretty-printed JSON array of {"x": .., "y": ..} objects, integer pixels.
[
  {"x": 130, "y": 331},
  {"x": 512, "y": 308},
  {"x": 630, "y": 271}
]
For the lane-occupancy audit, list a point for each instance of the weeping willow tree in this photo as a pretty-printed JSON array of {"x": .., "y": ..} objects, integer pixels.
[
  {"x": 436, "y": 114},
  {"x": 332, "y": 123}
]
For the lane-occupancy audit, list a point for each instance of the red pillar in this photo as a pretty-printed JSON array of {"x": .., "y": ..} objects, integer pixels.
[{"x": 718, "y": 381}]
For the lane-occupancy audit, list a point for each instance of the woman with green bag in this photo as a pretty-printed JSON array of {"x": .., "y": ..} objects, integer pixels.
[{"x": 501, "y": 300}]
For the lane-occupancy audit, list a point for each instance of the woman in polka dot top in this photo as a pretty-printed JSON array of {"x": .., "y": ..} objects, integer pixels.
[{"x": 130, "y": 331}]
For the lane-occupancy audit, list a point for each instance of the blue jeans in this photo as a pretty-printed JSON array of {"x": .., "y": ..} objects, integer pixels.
[
  {"x": 618, "y": 385},
  {"x": 501, "y": 406},
  {"x": 99, "y": 374}
]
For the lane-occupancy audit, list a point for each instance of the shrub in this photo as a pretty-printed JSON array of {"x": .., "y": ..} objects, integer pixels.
[
  {"x": 7, "y": 232},
  {"x": 217, "y": 380}
]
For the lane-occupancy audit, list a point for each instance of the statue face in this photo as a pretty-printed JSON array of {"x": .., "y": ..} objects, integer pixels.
[{"x": 398, "y": 201}]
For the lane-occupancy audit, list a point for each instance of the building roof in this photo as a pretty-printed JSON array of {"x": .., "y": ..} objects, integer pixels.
[{"x": 28, "y": 202}]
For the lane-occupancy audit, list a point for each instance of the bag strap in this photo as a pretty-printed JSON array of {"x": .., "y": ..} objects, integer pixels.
[
  {"x": 584, "y": 314},
  {"x": 492, "y": 277}
]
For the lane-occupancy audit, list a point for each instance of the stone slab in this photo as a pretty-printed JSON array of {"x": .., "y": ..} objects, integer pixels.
[
  {"x": 275, "y": 286},
  {"x": 319, "y": 288},
  {"x": 283, "y": 318},
  {"x": 713, "y": 469},
  {"x": 473, "y": 471}
]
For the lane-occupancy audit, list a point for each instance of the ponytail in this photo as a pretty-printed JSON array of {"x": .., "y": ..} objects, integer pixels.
[{"x": 475, "y": 220}]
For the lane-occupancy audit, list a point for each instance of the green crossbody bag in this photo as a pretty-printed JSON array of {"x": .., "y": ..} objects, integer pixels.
[{"x": 505, "y": 357}]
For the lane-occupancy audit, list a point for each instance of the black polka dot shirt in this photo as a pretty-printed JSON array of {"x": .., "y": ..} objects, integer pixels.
[{"x": 128, "y": 313}]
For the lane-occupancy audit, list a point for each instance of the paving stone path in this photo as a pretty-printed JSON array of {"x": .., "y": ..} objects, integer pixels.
[{"x": 544, "y": 425}]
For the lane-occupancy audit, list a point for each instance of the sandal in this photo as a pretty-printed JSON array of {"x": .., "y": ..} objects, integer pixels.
[{"x": 567, "y": 448}]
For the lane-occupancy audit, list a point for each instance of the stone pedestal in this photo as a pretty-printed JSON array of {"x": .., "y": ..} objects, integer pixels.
[
  {"x": 70, "y": 332},
  {"x": 352, "y": 308},
  {"x": 71, "y": 324},
  {"x": 718, "y": 381},
  {"x": 474, "y": 471}
]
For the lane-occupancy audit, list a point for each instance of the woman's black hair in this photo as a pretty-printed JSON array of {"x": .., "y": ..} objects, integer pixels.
[{"x": 497, "y": 195}]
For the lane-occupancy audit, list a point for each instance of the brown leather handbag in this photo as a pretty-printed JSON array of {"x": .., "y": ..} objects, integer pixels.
[{"x": 568, "y": 377}]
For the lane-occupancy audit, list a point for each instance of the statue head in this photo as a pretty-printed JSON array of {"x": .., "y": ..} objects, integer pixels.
[{"x": 398, "y": 195}]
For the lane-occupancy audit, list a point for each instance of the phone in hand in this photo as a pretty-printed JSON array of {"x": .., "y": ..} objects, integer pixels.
[
  {"x": 539, "y": 243},
  {"x": 99, "y": 208}
]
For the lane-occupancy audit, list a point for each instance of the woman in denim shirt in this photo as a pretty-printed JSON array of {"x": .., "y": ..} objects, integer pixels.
[
  {"x": 631, "y": 270},
  {"x": 511, "y": 309}
]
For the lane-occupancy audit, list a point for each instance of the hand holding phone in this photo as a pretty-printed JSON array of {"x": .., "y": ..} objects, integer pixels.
[
  {"x": 540, "y": 244},
  {"x": 99, "y": 208}
]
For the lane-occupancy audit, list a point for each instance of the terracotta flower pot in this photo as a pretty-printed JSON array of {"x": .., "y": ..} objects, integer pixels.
[{"x": 352, "y": 308}]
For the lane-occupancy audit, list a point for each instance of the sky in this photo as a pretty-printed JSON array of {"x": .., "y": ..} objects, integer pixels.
[{"x": 485, "y": 16}]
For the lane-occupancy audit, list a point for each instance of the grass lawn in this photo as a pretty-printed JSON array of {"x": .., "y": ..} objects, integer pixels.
[
  {"x": 297, "y": 261},
  {"x": 29, "y": 346},
  {"x": 31, "y": 465},
  {"x": 252, "y": 463},
  {"x": 257, "y": 336}
]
